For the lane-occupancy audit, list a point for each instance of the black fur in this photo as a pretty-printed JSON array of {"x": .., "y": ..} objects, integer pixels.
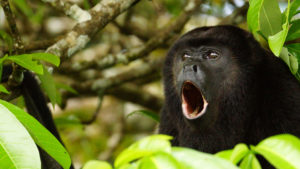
[
  {"x": 36, "y": 105},
  {"x": 260, "y": 98}
]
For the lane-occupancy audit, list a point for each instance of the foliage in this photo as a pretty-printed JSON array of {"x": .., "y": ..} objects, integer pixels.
[
  {"x": 147, "y": 113},
  {"x": 19, "y": 133},
  {"x": 155, "y": 152},
  {"x": 17, "y": 149},
  {"x": 265, "y": 19},
  {"x": 32, "y": 62}
]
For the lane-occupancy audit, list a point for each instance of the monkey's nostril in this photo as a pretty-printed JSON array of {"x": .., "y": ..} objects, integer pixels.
[{"x": 195, "y": 68}]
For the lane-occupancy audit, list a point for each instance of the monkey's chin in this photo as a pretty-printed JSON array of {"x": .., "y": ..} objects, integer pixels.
[{"x": 193, "y": 104}]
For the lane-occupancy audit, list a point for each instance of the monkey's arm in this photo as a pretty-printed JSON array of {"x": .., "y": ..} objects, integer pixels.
[{"x": 36, "y": 106}]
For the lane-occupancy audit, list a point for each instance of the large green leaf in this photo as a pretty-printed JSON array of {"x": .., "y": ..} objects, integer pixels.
[
  {"x": 250, "y": 162},
  {"x": 94, "y": 164},
  {"x": 276, "y": 41},
  {"x": 282, "y": 151},
  {"x": 192, "y": 159},
  {"x": 48, "y": 85},
  {"x": 270, "y": 18},
  {"x": 144, "y": 147},
  {"x": 41, "y": 135},
  {"x": 160, "y": 160},
  {"x": 17, "y": 149},
  {"x": 294, "y": 31},
  {"x": 27, "y": 62},
  {"x": 225, "y": 154}
]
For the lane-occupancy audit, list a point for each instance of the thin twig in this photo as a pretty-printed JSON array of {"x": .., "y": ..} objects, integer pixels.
[
  {"x": 10, "y": 18},
  {"x": 35, "y": 45},
  {"x": 72, "y": 10},
  {"x": 95, "y": 114}
]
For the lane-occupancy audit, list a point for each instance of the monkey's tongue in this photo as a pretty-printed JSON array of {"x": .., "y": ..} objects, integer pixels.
[{"x": 193, "y": 102}]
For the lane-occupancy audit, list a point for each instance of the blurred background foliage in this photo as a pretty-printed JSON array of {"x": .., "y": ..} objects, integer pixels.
[{"x": 113, "y": 128}]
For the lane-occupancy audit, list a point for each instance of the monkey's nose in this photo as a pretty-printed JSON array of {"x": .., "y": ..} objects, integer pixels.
[{"x": 193, "y": 68}]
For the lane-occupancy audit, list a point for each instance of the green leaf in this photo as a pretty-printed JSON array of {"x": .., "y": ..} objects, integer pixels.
[
  {"x": 144, "y": 147},
  {"x": 239, "y": 152},
  {"x": 40, "y": 135},
  {"x": 152, "y": 115},
  {"x": 226, "y": 154},
  {"x": 47, "y": 57},
  {"x": 58, "y": 98},
  {"x": 282, "y": 151},
  {"x": 48, "y": 85},
  {"x": 191, "y": 159},
  {"x": 160, "y": 160},
  {"x": 294, "y": 8},
  {"x": 133, "y": 165},
  {"x": 290, "y": 60},
  {"x": 22, "y": 5},
  {"x": 71, "y": 120},
  {"x": 26, "y": 61},
  {"x": 294, "y": 31},
  {"x": 38, "y": 15},
  {"x": 270, "y": 18},
  {"x": 294, "y": 49},
  {"x": 94, "y": 164},
  {"x": 128, "y": 155},
  {"x": 250, "y": 162},
  {"x": 173, "y": 6},
  {"x": 21, "y": 102},
  {"x": 3, "y": 89},
  {"x": 253, "y": 15},
  {"x": 66, "y": 87},
  {"x": 276, "y": 41},
  {"x": 7, "y": 39},
  {"x": 17, "y": 149}
]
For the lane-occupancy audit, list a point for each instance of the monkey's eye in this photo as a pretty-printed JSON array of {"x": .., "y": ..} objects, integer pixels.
[
  {"x": 211, "y": 55},
  {"x": 185, "y": 56}
]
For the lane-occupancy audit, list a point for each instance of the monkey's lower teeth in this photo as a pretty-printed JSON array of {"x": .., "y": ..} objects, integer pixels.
[{"x": 196, "y": 111}]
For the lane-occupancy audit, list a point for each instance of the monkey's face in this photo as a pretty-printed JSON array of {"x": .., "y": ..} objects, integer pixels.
[{"x": 200, "y": 72}]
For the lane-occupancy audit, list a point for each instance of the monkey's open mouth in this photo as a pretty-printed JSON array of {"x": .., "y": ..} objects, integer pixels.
[{"x": 193, "y": 102}]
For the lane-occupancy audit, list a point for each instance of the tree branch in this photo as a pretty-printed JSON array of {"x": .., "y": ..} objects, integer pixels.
[
  {"x": 139, "y": 52},
  {"x": 81, "y": 34},
  {"x": 144, "y": 69}
]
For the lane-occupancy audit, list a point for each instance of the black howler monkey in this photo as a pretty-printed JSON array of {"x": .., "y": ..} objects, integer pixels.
[{"x": 222, "y": 88}]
